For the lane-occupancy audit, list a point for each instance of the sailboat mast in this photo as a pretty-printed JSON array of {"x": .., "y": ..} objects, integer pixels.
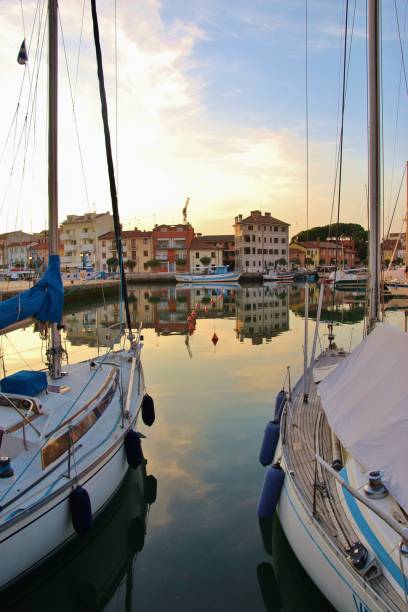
[
  {"x": 54, "y": 356},
  {"x": 374, "y": 160}
]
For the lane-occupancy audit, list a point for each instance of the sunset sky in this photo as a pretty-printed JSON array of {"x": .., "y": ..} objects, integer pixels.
[{"x": 211, "y": 105}]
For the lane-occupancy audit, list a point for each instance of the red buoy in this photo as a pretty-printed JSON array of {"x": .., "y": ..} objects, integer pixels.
[{"x": 214, "y": 339}]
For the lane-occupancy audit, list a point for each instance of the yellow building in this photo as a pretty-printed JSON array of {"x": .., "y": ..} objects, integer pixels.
[
  {"x": 137, "y": 247},
  {"x": 79, "y": 236}
]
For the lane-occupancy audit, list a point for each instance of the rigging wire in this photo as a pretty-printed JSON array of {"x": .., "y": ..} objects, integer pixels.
[
  {"x": 73, "y": 112},
  {"x": 396, "y": 122},
  {"x": 116, "y": 102},
  {"x": 396, "y": 200},
  {"x": 307, "y": 120},
  {"x": 343, "y": 104},
  {"x": 337, "y": 153},
  {"x": 79, "y": 50},
  {"x": 401, "y": 46}
]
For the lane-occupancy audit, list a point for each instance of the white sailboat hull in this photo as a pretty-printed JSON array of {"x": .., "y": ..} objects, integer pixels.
[
  {"x": 321, "y": 561},
  {"x": 35, "y": 515},
  {"x": 210, "y": 279},
  {"x": 30, "y": 540}
]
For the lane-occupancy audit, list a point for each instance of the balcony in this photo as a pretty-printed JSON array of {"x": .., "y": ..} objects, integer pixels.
[
  {"x": 66, "y": 259},
  {"x": 85, "y": 235},
  {"x": 66, "y": 236},
  {"x": 88, "y": 248},
  {"x": 163, "y": 244}
]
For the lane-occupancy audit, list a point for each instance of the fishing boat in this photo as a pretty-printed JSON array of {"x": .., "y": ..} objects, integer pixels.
[
  {"x": 218, "y": 274},
  {"x": 336, "y": 445},
  {"x": 67, "y": 434},
  {"x": 278, "y": 276}
]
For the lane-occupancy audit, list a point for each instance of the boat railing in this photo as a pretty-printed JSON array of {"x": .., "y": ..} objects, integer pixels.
[{"x": 389, "y": 520}]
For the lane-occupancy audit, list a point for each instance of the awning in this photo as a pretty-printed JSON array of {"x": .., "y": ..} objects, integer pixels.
[{"x": 366, "y": 402}]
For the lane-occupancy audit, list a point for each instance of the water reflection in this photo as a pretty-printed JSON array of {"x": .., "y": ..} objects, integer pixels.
[
  {"x": 204, "y": 546},
  {"x": 94, "y": 572},
  {"x": 283, "y": 582}
]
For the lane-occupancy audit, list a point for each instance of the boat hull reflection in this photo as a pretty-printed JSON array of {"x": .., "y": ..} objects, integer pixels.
[{"x": 88, "y": 572}]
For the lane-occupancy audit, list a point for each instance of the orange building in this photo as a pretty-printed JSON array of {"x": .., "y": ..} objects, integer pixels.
[{"x": 171, "y": 247}]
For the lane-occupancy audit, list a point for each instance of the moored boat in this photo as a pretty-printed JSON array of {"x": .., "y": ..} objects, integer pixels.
[
  {"x": 67, "y": 435},
  {"x": 218, "y": 274}
]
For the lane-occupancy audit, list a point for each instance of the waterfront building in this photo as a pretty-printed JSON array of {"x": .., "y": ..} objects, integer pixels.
[
  {"x": 171, "y": 247},
  {"x": 297, "y": 255},
  {"x": 38, "y": 250},
  {"x": 18, "y": 254},
  {"x": 203, "y": 248},
  {"x": 79, "y": 236},
  {"x": 261, "y": 242},
  {"x": 320, "y": 253},
  {"x": 262, "y": 313},
  {"x": 11, "y": 238},
  {"x": 137, "y": 249},
  {"x": 394, "y": 246},
  {"x": 171, "y": 309}
]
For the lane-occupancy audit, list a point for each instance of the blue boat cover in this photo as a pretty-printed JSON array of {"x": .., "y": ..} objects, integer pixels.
[
  {"x": 44, "y": 301},
  {"x": 24, "y": 382}
]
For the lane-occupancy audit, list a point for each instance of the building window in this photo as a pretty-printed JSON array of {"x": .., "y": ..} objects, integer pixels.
[
  {"x": 253, "y": 251},
  {"x": 247, "y": 251},
  {"x": 283, "y": 240},
  {"x": 247, "y": 238},
  {"x": 103, "y": 255},
  {"x": 276, "y": 252},
  {"x": 275, "y": 228},
  {"x": 276, "y": 240},
  {"x": 145, "y": 253},
  {"x": 283, "y": 251},
  {"x": 250, "y": 227},
  {"x": 253, "y": 238},
  {"x": 247, "y": 264},
  {"x": 103, "y": 243},
  {"x": 146, "y": 306},
  {"x": 197, "y": 255},
  {"x": 134, "y": 255},
  {"x": 144, "y": 240},
  {"x": 133, "y": 242},
  {"x": 212, "y": 254}
]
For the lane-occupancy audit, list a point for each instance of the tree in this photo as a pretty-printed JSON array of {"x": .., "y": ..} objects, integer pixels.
[
  {"x": 399, "y": 261},
  {"x": 387, "y": 262},
  {"x": 309, "y": 261},
  {"x": 322, "y": 261},
  {"x": 153, "y": 263},
  {"x": 205, "y": 260},
  {"x": 282, "y": 261},
  {"x": 354, "y": 231},
  {"x": 130, "y": 264},
  {"x": 112, "y": 263},
  {"x": 180, "y": 261},
  {"x": 296, "y": 261}
]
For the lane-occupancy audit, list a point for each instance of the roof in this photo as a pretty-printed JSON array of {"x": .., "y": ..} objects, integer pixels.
[
  {"x": 126, "y": 234},
  {"x": 201, "y": 242},
  {"x": 257, "y": 217},
  {"x": 83, "y": 218},
  {"x": 219, "y": 237},
  {"x": 365, "y": 400}
]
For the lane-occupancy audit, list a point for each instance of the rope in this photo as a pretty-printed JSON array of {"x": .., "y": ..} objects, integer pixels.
[{"x": 79, "y": 49}]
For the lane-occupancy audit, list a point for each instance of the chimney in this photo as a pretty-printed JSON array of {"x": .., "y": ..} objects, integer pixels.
[
  {"x": 267, "y": 214},
  {"x": 256, "y": 213}
]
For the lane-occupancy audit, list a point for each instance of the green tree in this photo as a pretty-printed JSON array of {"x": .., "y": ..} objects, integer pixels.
[
  {"x": 205, "y": 260},
  {"x": 282, "y": 261},
  {"x": 353, "y": 231},
  {"x": 309, "y": 261},
  {"x": 130, "y": 264},
  {"x": 322, "y": 261},
  {"x": 153, "y": 263},
  {"x": 112, "y": 263},
  {"x": 180, "y": 261}
]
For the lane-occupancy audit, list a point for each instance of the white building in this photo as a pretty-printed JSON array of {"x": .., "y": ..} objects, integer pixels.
[
  {"x": 204, "y": 248},
  {"x": 261, "y": 241},
  {"x": 79, "y": 236},
  {"x": 262, "y": 313}
]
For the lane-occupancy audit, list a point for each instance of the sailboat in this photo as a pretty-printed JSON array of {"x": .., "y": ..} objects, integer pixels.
[
  {"x": 67, "y": 435},
  {"x": 337, "y": 443}
]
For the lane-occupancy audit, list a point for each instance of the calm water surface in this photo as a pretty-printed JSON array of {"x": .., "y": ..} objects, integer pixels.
[{"x": 203, "y": 549}]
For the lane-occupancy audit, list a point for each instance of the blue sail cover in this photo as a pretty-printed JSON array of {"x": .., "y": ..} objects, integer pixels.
[{"x": 44, "y": 301}]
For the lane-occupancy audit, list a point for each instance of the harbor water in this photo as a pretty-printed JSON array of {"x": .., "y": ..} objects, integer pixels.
[{"x": 214, "y": 383}]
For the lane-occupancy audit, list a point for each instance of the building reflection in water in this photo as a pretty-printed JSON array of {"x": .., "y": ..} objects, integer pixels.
[{"x": 262, "y": 313}]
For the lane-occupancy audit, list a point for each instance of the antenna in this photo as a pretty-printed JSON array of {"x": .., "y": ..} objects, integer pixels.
[{"x": 185, "y": 211}]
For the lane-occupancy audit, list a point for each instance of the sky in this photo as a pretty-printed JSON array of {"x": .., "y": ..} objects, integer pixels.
[{"x": 207, "y": 99}]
